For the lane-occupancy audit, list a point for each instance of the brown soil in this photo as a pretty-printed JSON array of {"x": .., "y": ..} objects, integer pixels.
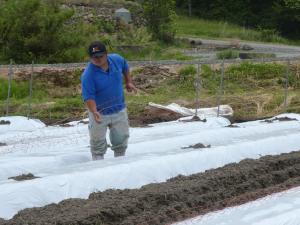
[
  {"x": 177, "y": 199},
  {"x": 23, "y": 177},
  {"x": 4, "y": 122},
  {"x": 197, "y": 146},
  {"x": 151, "y": 76},
  {"x": 233, "y": 126},
  {"x": 280, "y": 119},
  {"x": 3, "y": 144},
  {"x": 51, "y": 77}
]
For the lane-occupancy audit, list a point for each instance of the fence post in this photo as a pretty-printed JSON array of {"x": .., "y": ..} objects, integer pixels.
[
  {"x": 286, "y": 84},
  {"x": 10, "y": 73},
  {"x": 30, "y": 90},
  {"x": 221, "y": 88},
  {"x": 197, "y": 86}
]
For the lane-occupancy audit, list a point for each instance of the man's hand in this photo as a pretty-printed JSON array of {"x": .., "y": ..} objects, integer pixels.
[
  {"x": 97, "y": 116},
  {"x": 131, "y": 88}
]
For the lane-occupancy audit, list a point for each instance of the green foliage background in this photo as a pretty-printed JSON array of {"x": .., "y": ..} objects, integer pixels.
[
  {"x": 275, "y": 16},
  {"x": 38, "y": 30}
]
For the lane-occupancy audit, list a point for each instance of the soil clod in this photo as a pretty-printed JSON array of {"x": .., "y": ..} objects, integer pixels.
[
  {"x": 23, "y": 177},
  {"x": 233, "y": 126},
  {"x": 280, "y": 119},
  {"x": 194, "y": 119},
  {"x": 2, "y": 144},
  {"x": 4, "y": 122},
  {"x": 197, "y": 146}
]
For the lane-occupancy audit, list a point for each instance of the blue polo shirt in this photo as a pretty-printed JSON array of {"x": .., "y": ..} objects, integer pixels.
[{"x": 105, "y": 87}]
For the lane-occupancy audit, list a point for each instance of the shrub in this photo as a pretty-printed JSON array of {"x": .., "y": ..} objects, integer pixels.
[
  {"x": 36, "y": 30},
  {"x": 160, "y": 16},
  {"x": 228, "y": 54},
  {"x": 187, "y": 73}
]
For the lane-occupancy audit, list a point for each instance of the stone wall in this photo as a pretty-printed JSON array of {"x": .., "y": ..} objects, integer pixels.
[{"x": 90, "y": 11}]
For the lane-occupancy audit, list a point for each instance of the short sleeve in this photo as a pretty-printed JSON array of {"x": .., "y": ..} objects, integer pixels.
[
  {"x": 121, "y": 62},
  {"x": 125, "y": 67},
  {"x": 87, "y": 87}
]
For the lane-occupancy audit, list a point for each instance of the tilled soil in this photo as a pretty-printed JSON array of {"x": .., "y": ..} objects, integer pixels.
[
  {"x": 177, "y": 199},
  {"x": 4, "y": 122},
  {"x": 2, "y": 144},
  {"x": 151, "y": 76}
]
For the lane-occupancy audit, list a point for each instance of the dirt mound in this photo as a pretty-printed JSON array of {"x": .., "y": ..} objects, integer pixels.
[
  {"x": 23, "y": 177},
  {"x": 151, "y": 76},
  {"x": 51, "y": 77},
  {"x": 179, "y": 198},
  {"x": 2, "y": 144},
  {"x": 279, "y": 119},
  {"x": 4, "y": 122},
  {"x": 197, "y": 146}
]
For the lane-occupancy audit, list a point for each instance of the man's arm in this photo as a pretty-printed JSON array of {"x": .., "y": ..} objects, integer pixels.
[
  {"x": 128, "y": 82},
  {"x": 91, "y": 104}
]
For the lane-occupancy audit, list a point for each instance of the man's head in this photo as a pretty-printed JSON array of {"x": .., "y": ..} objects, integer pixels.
[{"x": 98, "y": 53}]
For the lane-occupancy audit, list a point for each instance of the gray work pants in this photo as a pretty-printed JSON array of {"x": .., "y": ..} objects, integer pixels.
[{"x": 118, "y": 133}]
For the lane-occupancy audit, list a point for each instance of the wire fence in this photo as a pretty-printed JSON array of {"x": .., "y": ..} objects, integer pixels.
[{"x": 12, "y": 68}]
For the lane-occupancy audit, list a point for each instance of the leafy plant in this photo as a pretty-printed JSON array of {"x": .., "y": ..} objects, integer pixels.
[
  {"x": 36, "y": 30},
  {"x": 228, "y": 54},
  {"x": 160, "y": 16}
]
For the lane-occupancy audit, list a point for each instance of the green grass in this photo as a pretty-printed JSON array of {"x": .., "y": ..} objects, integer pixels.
[
  {"x": 156, "y": 51},
  {"x": 228, "y": 54},
  {"x": 19, "y": 90},
  {"x": 195, "y": 27}
]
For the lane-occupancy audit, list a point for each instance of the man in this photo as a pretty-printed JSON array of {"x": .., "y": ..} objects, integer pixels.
[{"x": 102, "y": 91}]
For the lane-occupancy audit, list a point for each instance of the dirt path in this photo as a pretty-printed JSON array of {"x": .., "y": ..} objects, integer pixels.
[{"x": 177, "y": 199}]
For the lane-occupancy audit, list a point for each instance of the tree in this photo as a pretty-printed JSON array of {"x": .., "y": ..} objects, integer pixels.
[
  {"x": 35, "y": 30},
  {"x": 160, "y": 15},
  {"x": 280, "y": 16},
  {"x": 294, "y": 4},
  {"x": 287, "y": 17}
]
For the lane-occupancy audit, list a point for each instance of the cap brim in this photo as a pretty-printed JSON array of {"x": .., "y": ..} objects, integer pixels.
[{"x": 97, "y": 54}]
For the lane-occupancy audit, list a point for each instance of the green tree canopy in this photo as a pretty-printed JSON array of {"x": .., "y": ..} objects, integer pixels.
[
  {"x": 280, "y": 15},
  {"x": 294, "y": 4},
  {"x": 160, "y": 15},
  {"x": 35, "y": 30}
]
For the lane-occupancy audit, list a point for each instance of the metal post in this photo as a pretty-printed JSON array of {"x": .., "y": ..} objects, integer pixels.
[
  {"x": 30, "y": 91},
  {"x": 286, "y": 84},
  {"x": 10, "y": 73},
  {"x": 221, "y": 88},
  {"x": 197, "y": 86}
]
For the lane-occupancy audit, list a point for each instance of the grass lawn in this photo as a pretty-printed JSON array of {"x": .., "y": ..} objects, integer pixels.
[{"x": 195, "y": 27}]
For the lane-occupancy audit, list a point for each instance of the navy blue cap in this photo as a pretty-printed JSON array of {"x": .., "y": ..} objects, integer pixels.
[{"x": 97, "y": 49}]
